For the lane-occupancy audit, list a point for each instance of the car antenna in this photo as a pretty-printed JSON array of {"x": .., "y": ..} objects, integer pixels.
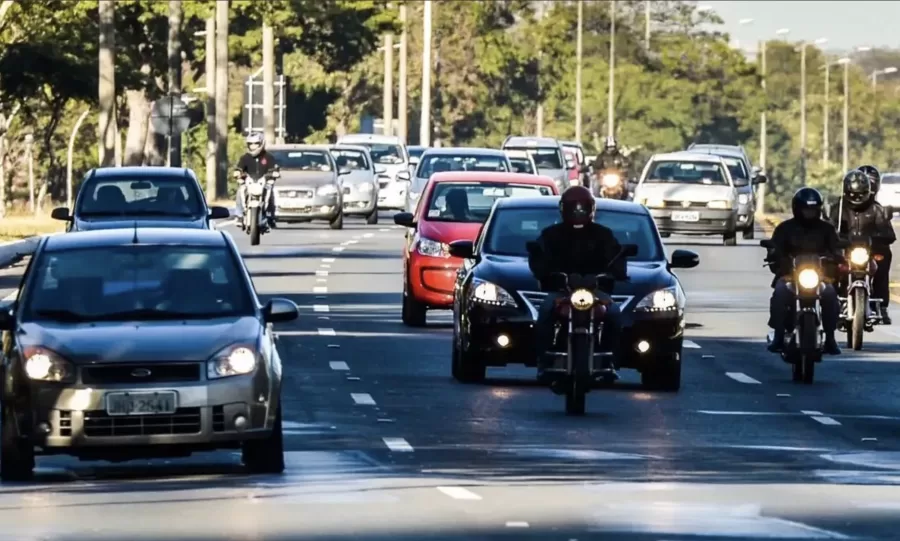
[{"x": 134, "y": 239}]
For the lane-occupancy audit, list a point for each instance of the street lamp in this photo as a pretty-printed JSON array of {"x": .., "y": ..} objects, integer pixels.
[
  {"x": 846, "y": 129},
  {"x": 761, "y": 192}
]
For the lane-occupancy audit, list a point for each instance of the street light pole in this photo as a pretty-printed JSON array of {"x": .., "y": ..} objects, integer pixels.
[
  {"x": 402, "y": 90},
  {"x": 611, "y": 113},
  {"x": 803, "y": 112},
  {"x": 388, "y": 97},
  {"x": 826, "y": 114},
  {"x": 761, "y": 191},
  {"x": 846, "y": 129},
  {"x": 646, "y": 23},
  {"x": 578, "y": 61},
  {"x": 425, "y": 123}
]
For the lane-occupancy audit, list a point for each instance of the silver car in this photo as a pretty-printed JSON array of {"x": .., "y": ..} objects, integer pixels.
[
  {"x": 388, "y": 151},
  {"x": 360, "y": 185},
  {"x": 437, "y": 160},
  {"x": 547, "y": 154},
  {"x": 522, "y": 162},
  {"x": 310, "y": 185}
]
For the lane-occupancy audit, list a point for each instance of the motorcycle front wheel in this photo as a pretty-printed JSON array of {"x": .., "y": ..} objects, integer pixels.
[
  {"x": 579, "y": 377},
  {"x": 254, "y": 226},
  {"x": 858, "y": 325}
]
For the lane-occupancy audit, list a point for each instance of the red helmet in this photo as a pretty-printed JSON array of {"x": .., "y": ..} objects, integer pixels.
[{"x": 577, "y": 206}]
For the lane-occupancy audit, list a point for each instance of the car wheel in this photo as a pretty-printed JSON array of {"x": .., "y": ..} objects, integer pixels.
[
  {"x": 470, "y": 369},
  {"x": 413, "y": 312},
  {"x": 16, "y": 453},
  {"x": 665, "y": 235},
  {"x": 338, "y": 221},
  {"x": 730, "y": 239},
  {"x": 749, "y": 232},
  {"x": 454, "y": 362},
  {"x": 664, "y": 375},
  {"x": 372, "y": 219},
  {"x": 266, "y": 455}
]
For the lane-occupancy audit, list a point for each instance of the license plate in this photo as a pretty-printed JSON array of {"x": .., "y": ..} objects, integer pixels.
[
  {"x": 680, "y": 216},
  {"x": 153, "y": 403},
  {"x": 290, "y": 204}
]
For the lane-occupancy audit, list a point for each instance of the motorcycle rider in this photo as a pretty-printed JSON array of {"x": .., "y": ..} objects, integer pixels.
[
  {"x": 610, "y": 157},
  {"x": 255, "y": 163},
  {"x": 804, "y": 234},
  {"x": 857, "y": 214},
  {"x": 581, "y": 246}
]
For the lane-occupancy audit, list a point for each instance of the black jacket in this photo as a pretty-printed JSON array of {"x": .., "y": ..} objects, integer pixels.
[
  {"x": 869, "y": 221},
  {"x": 589, "y": 250},
  {"x": 256, "y": 166},
  {"x": 610, "y": 160},
  {"x": 793, "y": 238}
]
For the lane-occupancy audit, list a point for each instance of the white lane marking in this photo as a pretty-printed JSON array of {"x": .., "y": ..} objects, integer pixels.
[
  {"x": 811, "y": 412},
  {"x": 352, "y": 378},
  {"x": 397, "y": 445},
  {"x": 339, "y": 365},
  {"x": 459, "y": 493},
  {"x": 328, "y": 260},
  {"x": 368, "y": 235},
  {"x": 320, "y": 289},
  {"x": 515, "y": 524},
  {"x": 337, "y": 249},
  {"x": 325, "y": 266},
  {"x": 321, "y": 273},
  {"x": 321, "y": 280},
  {"x": 782, "y": 395},
  {"x": 362, "y": 399},
  {"x": 11, "y": 297},
  {"x": 321, "y": 308},
  {"x": 826, "y": 420},
  {"x": 742, "y": 378},
  {"x": 324, "y": 317},
  {"x": 349, "y": 242},
  {"x": 384, "y": 229},
  {"x": 690, "y": 344},
  {"x": 806, "y": 413},
  {"x": 327, "y": 332}
]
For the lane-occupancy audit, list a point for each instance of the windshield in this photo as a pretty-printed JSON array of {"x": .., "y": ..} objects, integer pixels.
[
  {"x": 511, "y": 229},
  {"x": 544, "y": 158},
  {"x": 386, "y": 154},
  {"x": 302, "y": 160},
  {"x": 137, "y": 282},
  {"x": 684, "y": 172},
  {"x": 890, "y": 179},
  {"x": 353, "y": 160},
  {"x": 579, "y": 154},
  {"x": 471, "y": 202},
  {"x": 136, "y": 196},
  {"x": 443, "y": 162},
  {"x": 736, "y": 168},
  {"x": 522, "y": 165}
]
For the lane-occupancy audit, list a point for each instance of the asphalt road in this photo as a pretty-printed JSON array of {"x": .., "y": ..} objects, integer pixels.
[{"x": 383, "y": 444}]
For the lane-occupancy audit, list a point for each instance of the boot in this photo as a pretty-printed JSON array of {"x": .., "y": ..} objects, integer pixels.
[
  {"x": 777, "y": 345},
  {"x": 885, "y": 317},
  {"x": 831, "y": 345}
]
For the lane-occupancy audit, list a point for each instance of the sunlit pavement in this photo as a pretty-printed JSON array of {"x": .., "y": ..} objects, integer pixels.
[{"x": 383, "y": 444}]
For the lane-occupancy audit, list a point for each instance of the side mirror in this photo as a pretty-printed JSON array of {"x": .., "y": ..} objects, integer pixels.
[
  {"x": 280, "y": 310},
  {"x": 630, "y": 250},
  {"x": 406, "y": 219},
  {"x": 219, "y": 213},
  {"x": 766, "y": 243},
  {"x": 343, "y": 171},
  {"x": 463, "y": 249},
  {"x": 570, "y": 164},
  {"x": 380, "y": 169},
  {"x": 61, "y": 213},
  {"x": 7, "y": 318},
  {"x": 760, "y": 179},
  {"x": 404, "y": 176},
  {"x": 684, "y": 259},
  {"x": 585, "y": 169}
]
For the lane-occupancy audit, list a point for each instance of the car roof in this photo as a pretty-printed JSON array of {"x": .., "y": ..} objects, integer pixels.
[
  {"x": 492, "y": 176},
  {"x": 552, "y": 202},
  {"x": 416, "y": 147},
  {"x": 299, "y": 146},
  {"x": 355, "y": 148},
  {"x": 687, "y": 155},
  {"x": 467, "y": 151},
  {"x": 572, "y": 144},
  {"x": 125, "y": 236},
  {"x": 716, "y": 146},
  {"x": 523, "y": 141},
  {"x": 370, "y": 138},
  {"x": 142, "y": 171},
  {"x": 517, "y": 153},
  {"x": 730, "y": 152}
]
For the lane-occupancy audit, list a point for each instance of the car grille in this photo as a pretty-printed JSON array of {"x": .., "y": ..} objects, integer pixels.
[
  {"x": 680, "y": 205},
  {"x": 300, "y": 194},
  {"x": 533, "y": 300},
  {"x": 97, "y": 424},
  {"x": 383, "y": 183},
  {"x": 154, "y": 373}
]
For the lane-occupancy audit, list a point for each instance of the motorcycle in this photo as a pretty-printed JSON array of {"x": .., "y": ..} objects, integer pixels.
[
  {"x": 859, "y": 311},
  {"x": 256, "y": 197},
  {"x": 577, "y": 332},
  {"x": 804, "y": 336},
  {"x": 611, "y": 185}
]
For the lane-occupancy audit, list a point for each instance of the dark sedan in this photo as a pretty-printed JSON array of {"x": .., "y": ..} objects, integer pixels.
[
  {"x": 140, "y": 343},
  {"x": 114, "y": 197},
  {"x": 497, "y": 298}
]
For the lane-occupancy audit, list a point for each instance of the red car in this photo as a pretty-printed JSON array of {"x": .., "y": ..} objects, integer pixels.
[{"x": 453, "y": 206}]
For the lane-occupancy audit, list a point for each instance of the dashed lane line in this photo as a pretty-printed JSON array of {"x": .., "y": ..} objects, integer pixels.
[
  {"x": 821, "y": 418},
  {"x": 690, "y": 344},
  {"x": 321, "y": 308},
  {"x": 384, "y": 229},
  {"x": 339, "y": 365},
  {"x": 517, "y": 524},
  {"x": 338, "y": 249},
  {"x": 320, "y": 289},
  {"x": 397, "y": 445},
  {"x": 362, "y": 399},
  {"x": 742, "y": 378},
  {"x": 321, "y": 273},
  {"x": 459, "y": 493},
  {"x": 327, "y": 332},
  {"x": 368, "y": 235},
  {"x": 328, "y": 260}
]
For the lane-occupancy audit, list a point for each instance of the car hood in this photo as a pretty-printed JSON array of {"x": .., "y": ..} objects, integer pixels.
[
  {"x": 305, "y": 178},
  {"x": 684, "y": 192},
  {"x": 118, "y": 222},
  {"x": 448, "y": 232},
  {"x": 391, "y": 169},
  {"x": 107, "y": 342},
  {"x": 512, "y": 273},
  {"x": 358, "y": 177}
]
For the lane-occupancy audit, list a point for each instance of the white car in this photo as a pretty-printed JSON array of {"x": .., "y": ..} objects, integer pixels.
[
  {"x": 389, "y": 152},
  {"x": 889, "y": 193},
  {"x": 521, "y": 161}
]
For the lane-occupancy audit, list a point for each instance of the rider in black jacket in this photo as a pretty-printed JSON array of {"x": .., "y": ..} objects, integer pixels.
[
  {"x": 882, "y": 281},
  {"x": 255, "y": 163},
  {"x": 804, "y": 234},
  {"x": 610, "y": 157},
  {"x": 581, "y": 246}
]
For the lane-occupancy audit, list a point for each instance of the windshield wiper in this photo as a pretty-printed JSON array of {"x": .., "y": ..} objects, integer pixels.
[
  {"x": 66, "y": 316},
  {"x": 149, "y": 314}
]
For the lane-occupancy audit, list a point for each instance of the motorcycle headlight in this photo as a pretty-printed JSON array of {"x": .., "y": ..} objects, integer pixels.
[
  {"x": 859, "y": 256},
  {"x": 366, "y": 188},
  {"x": 255, "y": 188},
  {"x": 582, "y": 299},
  {"x": 44, "y": 365},
  {"x": 489, "y": 293},
  {"x": 232, "y": 361},
  {"x": 662, "y": 300},
  {"x": 611, "y": 181},
  {"x": 719, "y": 205},
  {"x": 743, "y": 199},
  {"x": 808, "y": 278},
  {"x": 328, "y": 189},
  {"x": 432, "y": 248}
]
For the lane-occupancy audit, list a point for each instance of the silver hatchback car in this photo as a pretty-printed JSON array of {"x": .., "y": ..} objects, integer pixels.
[
  {"x": 360, "y": 184},
  {"x": 310, "y": 185}
]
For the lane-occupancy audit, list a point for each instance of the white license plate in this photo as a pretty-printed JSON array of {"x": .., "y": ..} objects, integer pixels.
[
  {"x": 681, "y": 216},
  {"x": 290, "y": 204},
  {"x": 145, "y": 403}
]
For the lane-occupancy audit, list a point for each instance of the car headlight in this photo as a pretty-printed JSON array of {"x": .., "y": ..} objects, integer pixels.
[
  {"x": 743, "y": 199},
  {"x": 809, "y": 279},
  {"x": 328, "y": 189},
  {"x": 232, "y": 361},
  {"x": 366, "y": 188},
  {"x": 662, "y": 300},
  {"x": 489, "y": 293},
  {"x": 611, "y": 181},
  {"x": 719, "y": 204},
  {"x": 652, "y": 202},
  {"x": 859, "y": 256},
  {"x": 44, "y": 365},
  {"x": 582, "y": 299},
  {"x": 432, "y": 248}
]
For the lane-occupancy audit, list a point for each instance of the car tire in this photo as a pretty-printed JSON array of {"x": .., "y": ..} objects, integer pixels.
[
  {"x": 467, "y": 369},
  {"x": 413, "y": 312},
  {"x": 372, "y": 219},
  {"x": 730, "y": 239},
  {"x": 265, "y": 455},
  {"x": 16, "y": 453},
  {"x": 664, "y": 375},
  {"x": 338, "y": 221},
  {"x": 749, "y": 233}
]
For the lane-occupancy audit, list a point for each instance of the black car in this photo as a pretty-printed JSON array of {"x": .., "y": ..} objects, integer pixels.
[
  {"x": 140, "y": 343},
  {"x": 114, "y": 197},
  {"x": 497, "y": 298}
]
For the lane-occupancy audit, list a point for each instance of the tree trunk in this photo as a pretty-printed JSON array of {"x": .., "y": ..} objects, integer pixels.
[
  {"x": 107, "y": 87},
  {"x": 138, "y": 121}
]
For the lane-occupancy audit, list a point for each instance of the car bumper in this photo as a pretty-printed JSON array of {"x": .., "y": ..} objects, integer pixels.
[
  {"x": 432, "y": 279},
  {"x": 392, "y": 195},
  {"x": 75, "y": 417},
  {"x": 709, "y": 222},
  {"x": 355, "y": 204},
  {"x": 320, "y": 207}
]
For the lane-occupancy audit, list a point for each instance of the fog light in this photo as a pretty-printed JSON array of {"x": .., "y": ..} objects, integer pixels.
[
  {"x": 643, "y": 346},
  {"x": 503, "y": 340},
  {"x": 44, "y": 428},
  {"x": 240, "y": 423}
]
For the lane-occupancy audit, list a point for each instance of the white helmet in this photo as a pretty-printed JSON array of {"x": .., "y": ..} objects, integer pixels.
[
  {"x": 611, "y": 142},
  {"x": 256, "y": 143}
]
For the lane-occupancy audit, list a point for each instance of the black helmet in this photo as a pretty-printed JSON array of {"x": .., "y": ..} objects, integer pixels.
[
  {"x": 577, "y": 206},
  {"x": 807, "y": 204},
  {"x": 872, "y": 172},
  {"x": 857, "y": 187}
]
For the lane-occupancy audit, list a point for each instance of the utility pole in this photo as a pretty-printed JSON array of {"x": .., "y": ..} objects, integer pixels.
[
  {"x": 846, "y": 157},
  {"x": 646, "y": 25},
  {"x": 107, "y": 86},
  {"x": 425, "y": 124},
  {"x": 174, "y": 50},
  {"x": 803, "y": 112},
  {"x": 761, "y": 190},
  {"x": 402, "y": 106},
  {"x": 29, "y": 157},
  {"x": 269, "y": 82},
  {"x": 826, "y": 114},
  {"x": 611, "y": 113},
  {"x": 578, "y": 65},
  {"x": 539, "y": 113},
  {"x": 388, "y": 88},
  {"x": 222, "y": 7},
  {"x": 211, "y": 134}
]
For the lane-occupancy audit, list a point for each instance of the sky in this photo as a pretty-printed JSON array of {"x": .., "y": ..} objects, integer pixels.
[{"x": 846, "y": 24}]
